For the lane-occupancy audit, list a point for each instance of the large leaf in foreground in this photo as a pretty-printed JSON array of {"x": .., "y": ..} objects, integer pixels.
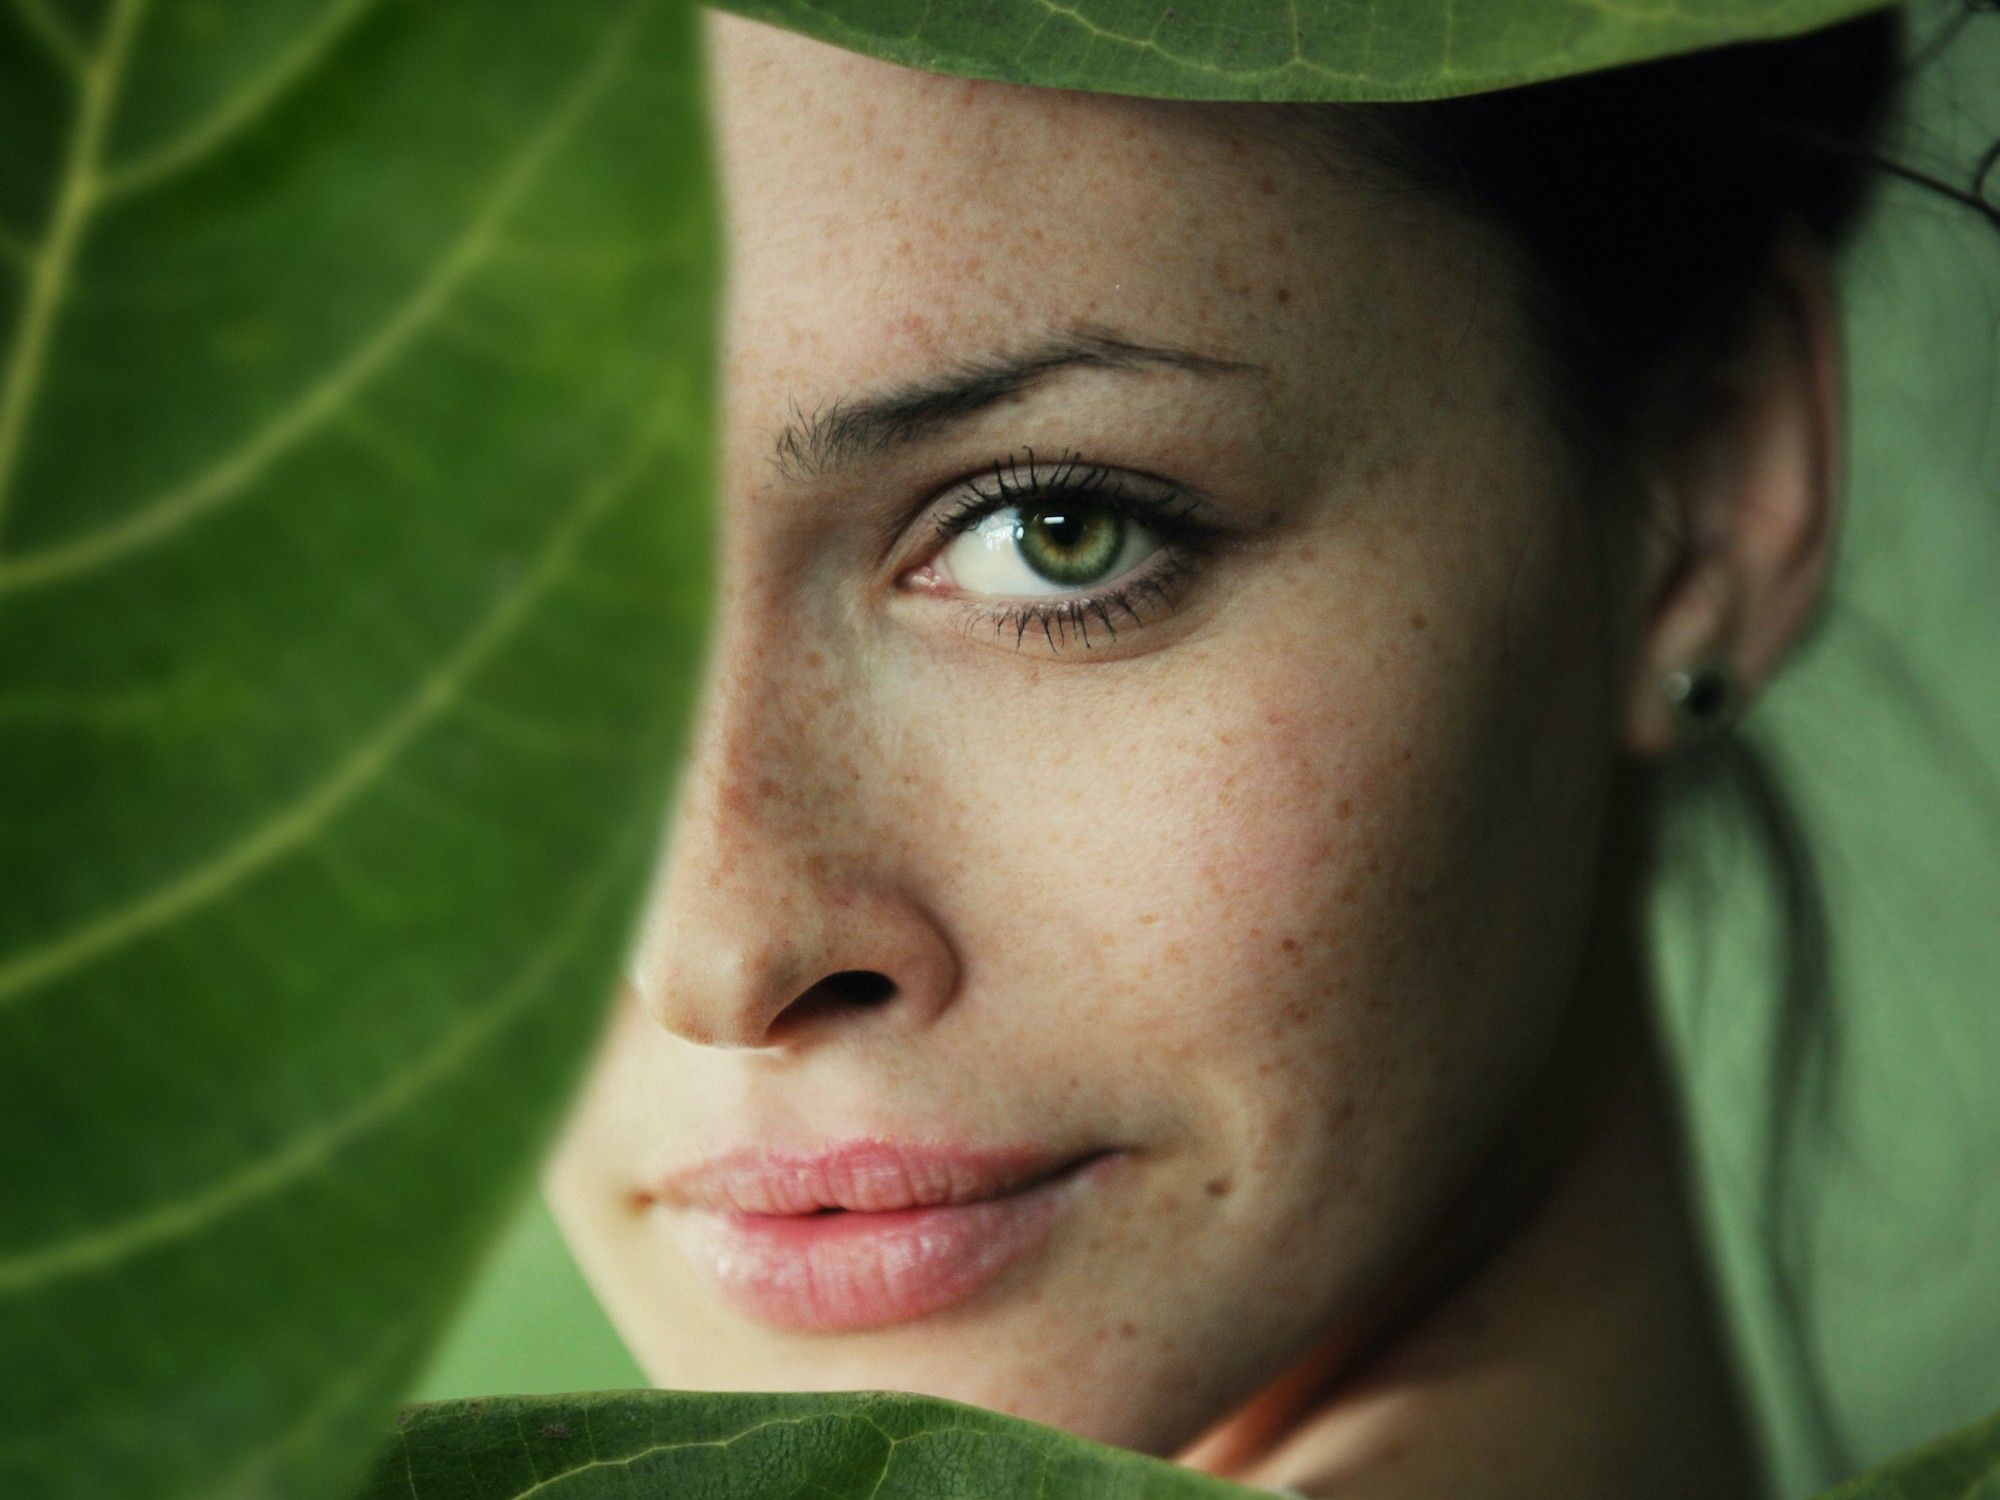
[
  {"x": 1287, "y": 49},
  {"x": 352, "y": 429},
  {"x": 622, "y": 1445},
  {"x": 628, "y": 1444}
]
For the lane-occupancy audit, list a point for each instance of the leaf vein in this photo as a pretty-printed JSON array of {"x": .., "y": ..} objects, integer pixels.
[
  {"x": 242, "y": 109},
  {"x": 48, "y": 278},
  {"x": 276, "y": 1170},
  {"x": 360, "y": 769},
  {"x": 232, "y": 475}
]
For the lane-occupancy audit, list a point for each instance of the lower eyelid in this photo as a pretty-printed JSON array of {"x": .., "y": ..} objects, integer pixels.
[{"x": 1137, "y": 601}]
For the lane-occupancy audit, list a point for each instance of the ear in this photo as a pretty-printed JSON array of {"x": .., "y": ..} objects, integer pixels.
[{"x": 1751, "y": 484}]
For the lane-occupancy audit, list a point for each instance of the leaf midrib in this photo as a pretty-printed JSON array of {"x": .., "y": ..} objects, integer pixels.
[{"x": 75, "y": 199}]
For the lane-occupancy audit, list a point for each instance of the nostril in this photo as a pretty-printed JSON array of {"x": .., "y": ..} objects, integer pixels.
[
  {"x": 849, "y": 989},
  {"x": 861, "y": 986}
]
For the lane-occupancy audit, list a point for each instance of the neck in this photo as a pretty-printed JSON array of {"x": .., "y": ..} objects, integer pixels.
[{"x": 1567, "y": 1347}]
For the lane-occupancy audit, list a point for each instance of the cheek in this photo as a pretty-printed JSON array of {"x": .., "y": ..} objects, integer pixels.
[{"x": 1314, "y": 880}]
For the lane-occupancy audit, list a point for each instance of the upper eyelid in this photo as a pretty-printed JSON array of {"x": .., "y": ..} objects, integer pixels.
[{"x": 1176, "y": 506}]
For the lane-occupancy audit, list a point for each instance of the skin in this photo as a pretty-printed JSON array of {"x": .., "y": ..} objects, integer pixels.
[{"x": 1313, "y": 888}]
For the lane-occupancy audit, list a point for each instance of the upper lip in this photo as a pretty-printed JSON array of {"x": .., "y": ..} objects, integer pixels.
[{"x": 870, "y": 1175}]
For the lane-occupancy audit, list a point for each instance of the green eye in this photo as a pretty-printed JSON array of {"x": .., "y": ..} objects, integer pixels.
[
  {"x": 1021, "y": 550},
  {"x": 1070, "y": 546}
]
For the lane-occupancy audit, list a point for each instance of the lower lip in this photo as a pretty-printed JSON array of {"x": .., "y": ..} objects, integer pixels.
[{"x": 832, "y": 1272}]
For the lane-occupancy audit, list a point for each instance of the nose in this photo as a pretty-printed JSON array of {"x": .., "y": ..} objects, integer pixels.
[{"x": 778, "y": 915}]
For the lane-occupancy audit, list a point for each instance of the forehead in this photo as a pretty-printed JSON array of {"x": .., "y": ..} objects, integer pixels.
[{"x": 881, "y": 219}]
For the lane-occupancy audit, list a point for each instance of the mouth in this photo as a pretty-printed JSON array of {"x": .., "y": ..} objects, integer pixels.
[{"x": 826, "y": 1267}]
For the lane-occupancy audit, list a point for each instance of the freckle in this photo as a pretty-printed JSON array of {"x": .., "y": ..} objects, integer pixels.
[
  {"x": 1274, "y": 718},
  {"x": 1290, "y": 945},
  {"x": 1344, "y": 808},
  {"x": 1283, "y": 295},
  {"x": 1127, "y": 1330},
  {"x": 1219, "y": 1187},
  {"x": 768, "y": 788},
  {"x": 1349, "y": 891},
  {"x": 1297, "y": 1012},
  {"x": 1418, "y": 622},
  {"x": 1267, "y": 184},
  {"x": 815, "y": 660}
]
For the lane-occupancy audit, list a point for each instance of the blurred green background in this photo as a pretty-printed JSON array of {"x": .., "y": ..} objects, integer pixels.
[{"x": 1888, "y": 731}]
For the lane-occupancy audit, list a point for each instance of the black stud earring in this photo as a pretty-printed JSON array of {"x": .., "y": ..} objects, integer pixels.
[{"x": 1703, "y": 698}]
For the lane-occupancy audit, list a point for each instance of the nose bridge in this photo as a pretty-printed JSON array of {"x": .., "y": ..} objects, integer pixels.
[
  {"x": 742, "y": 815},
  {"x": 768, "y": 887}
]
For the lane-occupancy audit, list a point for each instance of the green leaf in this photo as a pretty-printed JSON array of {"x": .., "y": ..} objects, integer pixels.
[
  {"x": 872, "y": 1446},
  {"x": 353, "y": 459},
  {"x": 1963, "y": 1466},
  {"x": 1287, "y": 49},
  {"x": 866, "y": 1446}
]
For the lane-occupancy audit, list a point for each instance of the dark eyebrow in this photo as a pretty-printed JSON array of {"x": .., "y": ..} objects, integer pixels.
[{"x": 852, "y": 428}]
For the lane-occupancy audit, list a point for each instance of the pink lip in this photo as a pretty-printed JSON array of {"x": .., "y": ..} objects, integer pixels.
[{"x": 871, "y": 1232}]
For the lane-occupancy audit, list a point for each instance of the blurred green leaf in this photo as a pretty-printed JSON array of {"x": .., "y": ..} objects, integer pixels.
[
  {"x": 1964, "y": 1466},
  {"x": 722, "y": 1447},
  {"x": 1287, "y": 49},
  {"x": 353, "y": 456},
  {"x": 872, "y": 1446}
]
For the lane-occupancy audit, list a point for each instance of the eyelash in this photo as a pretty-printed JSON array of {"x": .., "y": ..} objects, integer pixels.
[{"x": 1185, "y": 542}]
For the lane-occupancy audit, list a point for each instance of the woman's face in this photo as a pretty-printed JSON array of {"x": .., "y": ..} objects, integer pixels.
[{"x": 1159, "y": 640}]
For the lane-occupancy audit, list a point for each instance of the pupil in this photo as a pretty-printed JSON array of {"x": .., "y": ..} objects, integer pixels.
[
  {"x": 1062, "y": 530},
  {"x": 1070, "y": 547}
]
